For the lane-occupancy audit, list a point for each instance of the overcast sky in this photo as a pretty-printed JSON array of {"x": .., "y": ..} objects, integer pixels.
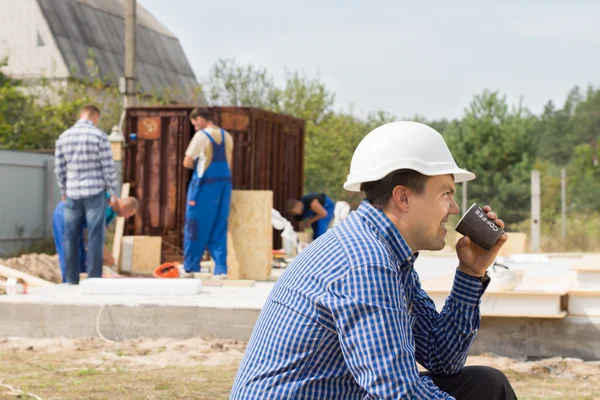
[{"x": 426, "y": 57}]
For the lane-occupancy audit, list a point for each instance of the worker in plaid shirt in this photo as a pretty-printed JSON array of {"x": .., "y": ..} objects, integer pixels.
[
  {"x": 348, "y": 319},
  {"x": 85, "y": 171}
]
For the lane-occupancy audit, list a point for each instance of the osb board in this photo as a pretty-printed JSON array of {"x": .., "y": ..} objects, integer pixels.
[
  {"x": 145, "y": 254},
  {"x": 7, "y": 272},
  {"x": 252, "y": 234},
  {"x": 305, "y": 237},
  {"x": 233, "y": 266},
  {"x": 119, "y": 229}
]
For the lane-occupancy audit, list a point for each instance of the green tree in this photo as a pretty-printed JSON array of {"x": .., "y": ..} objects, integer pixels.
[
  {"x": 555, "y": 127},
  {"x": 584, "y": 180},
  {"x": 587, "y": 123},
  {"x": 16, "y": 110},
  {"x": 33, "y": 117},
  {"x": 499, "y": 146},
  {"x": 230, "y": 84}
]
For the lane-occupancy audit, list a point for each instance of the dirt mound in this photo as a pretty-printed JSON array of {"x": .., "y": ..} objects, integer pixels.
[{"x": 43, "y": 266}]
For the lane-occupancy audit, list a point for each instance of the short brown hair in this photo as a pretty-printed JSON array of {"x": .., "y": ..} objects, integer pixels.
[
  {"x": 91, "y": 109},
  {"x": 291, "y": 203},
  {"x": 378, "y": 193},
  {"x": 131, "y": 203},
  {"x": 203, "y": 113}
]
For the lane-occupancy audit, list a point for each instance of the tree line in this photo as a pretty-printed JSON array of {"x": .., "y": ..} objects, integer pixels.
[{"x": 499, "y": 142}]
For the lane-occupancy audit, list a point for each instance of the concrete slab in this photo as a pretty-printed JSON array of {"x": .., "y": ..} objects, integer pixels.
[
  {"x": 231, "y": 312},
  {"x": 61, "y": 310},
  {"x": 210, "y": 297},
  {"x": 522, "y": 338},
  {"x": 150, "y": 286}
]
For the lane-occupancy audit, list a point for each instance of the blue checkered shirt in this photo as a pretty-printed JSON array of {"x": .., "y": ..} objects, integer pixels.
[
  {"x": 84, "y": 164},
  {"x": 348, "y": 319}
]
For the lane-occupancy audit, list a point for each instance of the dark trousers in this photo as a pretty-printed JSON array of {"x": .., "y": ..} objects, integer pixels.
[{"x": 475, "y": 383}]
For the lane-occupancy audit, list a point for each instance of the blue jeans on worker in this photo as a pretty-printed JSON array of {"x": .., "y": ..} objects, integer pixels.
[
  {"x": 58, "y": 230},
  {"x": 90, "y": 210}
]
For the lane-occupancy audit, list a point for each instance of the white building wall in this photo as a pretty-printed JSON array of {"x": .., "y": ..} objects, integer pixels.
[{"x": 21, "y": 21}]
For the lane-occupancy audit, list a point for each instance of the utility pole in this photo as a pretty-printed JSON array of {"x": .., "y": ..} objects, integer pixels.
[
  {"x": 130, "y": 53},
  {"x": 563, "y": 202},
  {"x": 535, "y": 211}
]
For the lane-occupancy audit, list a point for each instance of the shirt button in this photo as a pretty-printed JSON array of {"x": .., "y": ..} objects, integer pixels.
[{"x": 409, "y": 258}]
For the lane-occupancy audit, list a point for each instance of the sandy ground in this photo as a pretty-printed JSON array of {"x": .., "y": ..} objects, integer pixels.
[
  {"x": 41, "y": 265},
  {"x": 201, "y": 369}
]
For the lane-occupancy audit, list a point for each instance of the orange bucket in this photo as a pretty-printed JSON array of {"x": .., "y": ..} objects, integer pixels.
[{"x": 167, "y": 270}]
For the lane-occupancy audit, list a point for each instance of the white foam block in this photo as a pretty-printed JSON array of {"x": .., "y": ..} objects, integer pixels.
[
  {"x": 584, "y": 303},
  {"x": 141, "y": 286}
]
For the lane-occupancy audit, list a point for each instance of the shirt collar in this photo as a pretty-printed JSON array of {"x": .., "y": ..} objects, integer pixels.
[
  {"x": 85, "y": 121},
  {"x": 387, "y": 231}
]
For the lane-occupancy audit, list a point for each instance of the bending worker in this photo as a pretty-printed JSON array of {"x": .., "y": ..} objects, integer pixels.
[
  {"x": 209, "y": 154},
  {"x": 349, "y": 319},
  {"x": 315, "y": 209},
  {"x": 126, "y": 208}
]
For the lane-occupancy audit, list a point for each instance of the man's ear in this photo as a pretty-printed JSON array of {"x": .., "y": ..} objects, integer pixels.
[{"x": 401, "y": 197}]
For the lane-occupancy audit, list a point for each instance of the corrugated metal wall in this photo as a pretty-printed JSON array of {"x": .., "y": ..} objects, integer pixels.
[
  {"x": 28, "y": 198},
  {"x": 268, "y": 155}
]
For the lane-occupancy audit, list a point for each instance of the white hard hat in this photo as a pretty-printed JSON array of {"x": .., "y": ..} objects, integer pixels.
[{"x": 402, "y": 145}]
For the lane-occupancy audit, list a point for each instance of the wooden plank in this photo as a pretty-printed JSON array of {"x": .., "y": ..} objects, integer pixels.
[
  {"x": 516, "y": 292},
  {"x": 588, "y": 263},
  {"x": 238, "y": 282},
  {"x": 119, "y": 229},
  {"x": 202, "y": 275},
  {"x": 233, "y": 266},
  {"x": 31, "y": 280},
  {"x": 560, "y": 315},
  {"x": 226, "y": 282},
  {"x": 584, "y": 292},
  {"x": 525, "y": 306},
  {"x": 252, "y": 233},
  {"x": 534, "y": 287}
]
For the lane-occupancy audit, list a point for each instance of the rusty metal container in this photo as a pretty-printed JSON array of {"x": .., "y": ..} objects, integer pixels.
[{"x": 268, "y": 155}]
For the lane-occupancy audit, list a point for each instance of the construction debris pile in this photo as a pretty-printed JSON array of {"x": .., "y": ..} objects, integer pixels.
[{"x": 43, "y": 266}]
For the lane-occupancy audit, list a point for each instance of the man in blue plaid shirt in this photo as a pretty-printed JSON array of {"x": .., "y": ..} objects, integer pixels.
[
  {"x": 85, "y": 171},
  {"x": 348, "y": 319}
]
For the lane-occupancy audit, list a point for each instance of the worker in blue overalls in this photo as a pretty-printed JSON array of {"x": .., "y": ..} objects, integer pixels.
[
  {"x": 314, "y": 209},
  {"x": 209, "y": 155},
  {"x": 122, "y": 208}
]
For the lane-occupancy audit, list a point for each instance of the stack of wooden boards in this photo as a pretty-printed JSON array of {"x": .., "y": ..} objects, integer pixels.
[{"x": 249, "y": 240}]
